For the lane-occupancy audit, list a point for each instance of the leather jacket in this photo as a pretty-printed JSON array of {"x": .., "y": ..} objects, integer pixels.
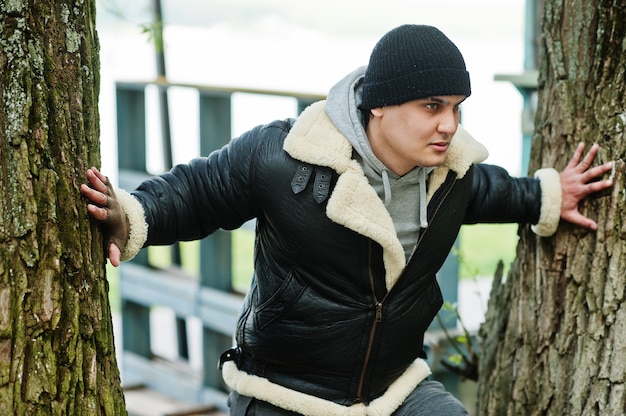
[{"x": 334, "y": 311}]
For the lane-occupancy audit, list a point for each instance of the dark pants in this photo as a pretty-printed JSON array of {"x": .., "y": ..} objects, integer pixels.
[{"x": 428, "y": 399}]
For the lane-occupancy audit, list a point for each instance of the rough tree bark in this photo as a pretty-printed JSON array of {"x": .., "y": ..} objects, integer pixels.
[
  {"x": 56, "y": 339},
  {"x": 554, "y": 340}
]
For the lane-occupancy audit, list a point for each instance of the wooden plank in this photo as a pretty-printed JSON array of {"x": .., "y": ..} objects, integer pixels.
[
  {"x": 142, "y": 401},
  {"x": 218, "y": 90},
  {"x": 174, "y": 379},
  {"x": 150, "y": 287},
  {"x": 182, "y": 293}
]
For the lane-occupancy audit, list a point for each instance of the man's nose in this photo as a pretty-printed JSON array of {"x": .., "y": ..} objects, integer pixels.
[{"x": 448, "y": 123}]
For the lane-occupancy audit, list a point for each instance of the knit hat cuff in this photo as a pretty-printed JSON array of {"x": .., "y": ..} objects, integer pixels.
[{"x": 416, "y": 85}]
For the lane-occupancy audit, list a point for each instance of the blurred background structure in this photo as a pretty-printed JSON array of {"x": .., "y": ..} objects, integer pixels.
[{"x": 240, "y": 63}]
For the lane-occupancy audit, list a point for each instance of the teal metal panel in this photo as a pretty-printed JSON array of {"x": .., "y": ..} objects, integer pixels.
[
  {"x": 213, "y": 345},
  {"x": 131, "y": 128},
  {"x": 448, "y": 280},
  {"x": 215, "y": 131},
  {"x": 303, "y": 103},
  {"x": 215, "y": 121},
  {"x": 215, "y": 250},
  {"x": 131, "y": 145},
  {"x": 136, "y": 328}
]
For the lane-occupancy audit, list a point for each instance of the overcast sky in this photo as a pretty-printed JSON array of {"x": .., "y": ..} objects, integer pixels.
[
  {"x": 468, "y": 17},
  {"x": 307, "y": 46}
]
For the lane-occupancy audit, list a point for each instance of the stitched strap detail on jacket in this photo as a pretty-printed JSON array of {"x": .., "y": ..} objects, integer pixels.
[
  {"x": 321, "y": 186},
  {"x": 301, "y": 178}
]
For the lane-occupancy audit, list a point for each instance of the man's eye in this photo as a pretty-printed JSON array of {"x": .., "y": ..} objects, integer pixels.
[{"x": 432, "y": 106}]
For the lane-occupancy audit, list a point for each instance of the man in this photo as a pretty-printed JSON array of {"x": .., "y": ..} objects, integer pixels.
[{"x": 357, "y": 203}]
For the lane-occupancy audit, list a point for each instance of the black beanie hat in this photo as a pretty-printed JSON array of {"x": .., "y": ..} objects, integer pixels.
[{"x": 412, "y": 62}]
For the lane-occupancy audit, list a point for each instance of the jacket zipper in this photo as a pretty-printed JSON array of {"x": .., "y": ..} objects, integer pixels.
[
  {"x": 378, "y": 317},
  {"x": 378, "y": 304}
]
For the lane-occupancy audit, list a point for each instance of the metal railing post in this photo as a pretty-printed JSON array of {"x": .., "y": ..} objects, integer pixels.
[{"x": 131, "y": 145}]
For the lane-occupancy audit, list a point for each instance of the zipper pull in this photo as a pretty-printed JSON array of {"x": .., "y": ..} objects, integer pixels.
[{"x": 379, "y": 311}]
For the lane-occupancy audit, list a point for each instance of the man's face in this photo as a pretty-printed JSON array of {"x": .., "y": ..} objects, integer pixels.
[{"x": 415, "y": 133}]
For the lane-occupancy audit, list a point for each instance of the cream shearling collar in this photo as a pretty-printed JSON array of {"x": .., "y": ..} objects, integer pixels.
[{"x": 354, "y": 203}]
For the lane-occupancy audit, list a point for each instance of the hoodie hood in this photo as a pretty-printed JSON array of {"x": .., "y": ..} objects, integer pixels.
[
  {"x": 342, "y": 108},
  {"x": 405, "y": 196}
]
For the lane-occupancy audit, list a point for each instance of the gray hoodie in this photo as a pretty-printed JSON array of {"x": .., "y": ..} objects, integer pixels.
[{"x": 404, "y": 196}]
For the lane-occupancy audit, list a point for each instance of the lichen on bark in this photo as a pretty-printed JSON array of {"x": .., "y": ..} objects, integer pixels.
[{"x": 56, "y": 342}]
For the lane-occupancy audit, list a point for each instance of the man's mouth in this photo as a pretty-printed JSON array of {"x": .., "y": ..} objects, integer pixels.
[{"x": 440, "y": 146}]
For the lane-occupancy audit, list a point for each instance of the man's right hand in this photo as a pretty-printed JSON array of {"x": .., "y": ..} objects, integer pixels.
[{"x": 105, "y": 208}]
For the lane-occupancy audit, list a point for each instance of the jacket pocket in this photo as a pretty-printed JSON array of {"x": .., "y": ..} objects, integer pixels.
[{"x": 280, "y": 302}]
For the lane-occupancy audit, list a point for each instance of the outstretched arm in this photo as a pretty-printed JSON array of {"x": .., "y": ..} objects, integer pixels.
[{"x": 578, "y": 181}]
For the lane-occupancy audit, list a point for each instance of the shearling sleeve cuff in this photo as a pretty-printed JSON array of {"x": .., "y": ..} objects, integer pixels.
[
  {"x": 550, "y": 214},
  {"x": 136, "y": 219}
]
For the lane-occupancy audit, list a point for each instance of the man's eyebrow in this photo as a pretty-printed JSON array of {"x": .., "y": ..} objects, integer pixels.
[{"x": 443, "y": 100}]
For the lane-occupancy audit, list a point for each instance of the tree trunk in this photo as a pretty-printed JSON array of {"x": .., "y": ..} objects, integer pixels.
[
  {"x": 554, "y": 341},
  {"x": 57, "y": 354}
]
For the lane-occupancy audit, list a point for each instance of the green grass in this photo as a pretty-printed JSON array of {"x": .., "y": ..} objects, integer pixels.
[{"x": 481, "y": 246}]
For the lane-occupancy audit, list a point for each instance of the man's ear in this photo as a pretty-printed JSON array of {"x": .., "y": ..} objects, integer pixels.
[{"x": 377, "y": 112}]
